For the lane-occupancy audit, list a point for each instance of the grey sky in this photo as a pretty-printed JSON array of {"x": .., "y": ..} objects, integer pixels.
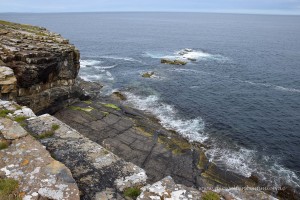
[{"x": 231, "y": 6}]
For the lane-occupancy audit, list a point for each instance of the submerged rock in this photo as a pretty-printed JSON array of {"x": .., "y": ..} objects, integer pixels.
[
  {"x": 147, "y": 74},
  {"x": 172, "y": 62}
]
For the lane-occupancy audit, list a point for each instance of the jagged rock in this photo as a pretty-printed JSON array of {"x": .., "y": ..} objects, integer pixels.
[
  {"x": 93, "y": 167},
  {"x": 11, "y": 130},
  {"x": 44, "y": 67},
  {"x": 168, "y": 189},
  {"x": 172, "y": 62}
]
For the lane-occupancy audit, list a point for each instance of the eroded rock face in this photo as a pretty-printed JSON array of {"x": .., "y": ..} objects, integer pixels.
[{"x": 44, "y": 64}]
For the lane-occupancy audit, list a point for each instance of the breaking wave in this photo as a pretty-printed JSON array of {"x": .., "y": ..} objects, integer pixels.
[
  {"x": 187, "y": 55},
  {"x": 89, "y": 63},
  {"x": 276, "y": 87},
  {"x": 192, "y": 129}
]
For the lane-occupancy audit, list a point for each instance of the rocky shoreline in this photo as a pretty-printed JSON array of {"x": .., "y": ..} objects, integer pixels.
[{"x": 92, "y": 147}]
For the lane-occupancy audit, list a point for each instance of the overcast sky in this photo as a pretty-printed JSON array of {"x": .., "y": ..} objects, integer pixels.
[{"x": 228, "y": 6}]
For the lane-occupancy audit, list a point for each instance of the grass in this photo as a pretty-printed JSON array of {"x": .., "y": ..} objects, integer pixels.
[
  {"x": 21, "y": 120},
  {"x": 4, "y": 112},
  {"x": 210, "y": 195},
  {"x": 132, "y": 192},
  {"x": 54, "y": 127},
  {"x": 113, "y": 106},
  {"x": 9, "y": 189},
  {"x": 49, "y": 133},
  {"x": 3, "y": 145}
]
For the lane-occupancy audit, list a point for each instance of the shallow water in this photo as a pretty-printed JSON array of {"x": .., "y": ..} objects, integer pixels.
[{"x": 241, "y": 96}]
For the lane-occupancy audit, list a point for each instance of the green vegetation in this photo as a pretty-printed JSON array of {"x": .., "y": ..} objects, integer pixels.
[
  {"x": 105, "y": 113},
  {"x": 3, "y": 145},
  {"x": 9, "y": 189},
  {"x": 87, "y": 109},
  {"x": 49, "y": 133},
  {"x": 132, "y": 192},
  {"x": 88, "y": 102},
  {"x": 176, "y": 144},
  {"x": 21, "y": 120},
  {"x": 4, "y": 112},
  {"x": 210, "y": 195},
  {"x": 55, "y": 127},
  {"x": 113, "y": 106},
  {"x": 29, "y": 28}
]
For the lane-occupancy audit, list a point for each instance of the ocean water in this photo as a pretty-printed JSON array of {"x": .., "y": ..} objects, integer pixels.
[{"x": 241, "y": 96}]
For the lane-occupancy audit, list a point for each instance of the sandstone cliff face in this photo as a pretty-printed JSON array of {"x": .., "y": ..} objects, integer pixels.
[{"x": 44, "y": 67}]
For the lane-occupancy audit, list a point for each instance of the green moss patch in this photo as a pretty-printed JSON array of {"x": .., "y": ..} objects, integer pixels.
[
  {"x": 88, "y": 102},
  {"x": 4, "y": 112},
  {"x": 9, "y": 189},
  {"x": 49, "y": 133},
  {"x": 132, "y": 192},
  {"x": 210, "y": 195},
  {"x": 3, "y": 145},
  {"x": 54, "y": 127},
  {"x": 87, "y": 109},
  {"x": 176, "y": 145},
  {"x": 113, "y": 106}
]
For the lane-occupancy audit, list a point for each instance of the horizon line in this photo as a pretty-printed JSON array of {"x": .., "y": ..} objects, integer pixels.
[{"x": 203, "y": 12}]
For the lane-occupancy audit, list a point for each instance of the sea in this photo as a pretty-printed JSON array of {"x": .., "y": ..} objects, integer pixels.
[{"x": 239, "y": 93}]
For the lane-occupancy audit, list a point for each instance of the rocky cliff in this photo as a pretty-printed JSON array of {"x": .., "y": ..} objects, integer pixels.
[{"x": 37, "y": 68}]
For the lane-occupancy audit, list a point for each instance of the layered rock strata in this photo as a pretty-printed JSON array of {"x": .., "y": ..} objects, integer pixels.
[{"x": 44, "y": 66}]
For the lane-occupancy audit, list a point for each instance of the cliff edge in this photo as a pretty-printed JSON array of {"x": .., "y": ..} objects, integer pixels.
[{"x": 38, "y": 68}]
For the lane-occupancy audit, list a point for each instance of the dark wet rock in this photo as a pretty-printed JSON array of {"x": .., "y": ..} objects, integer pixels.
[
  {"x": 44, "y": 67},
  {"x": 172, "y": 62},
  {"x": 147, "y": 74},
  {"x": 119, "y": 96},
  {"x": 140, "y": 139}
]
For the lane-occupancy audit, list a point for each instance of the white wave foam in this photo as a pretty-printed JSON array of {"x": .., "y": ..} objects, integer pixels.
[
  {"x": 276, "y": 87},
  {"x": 286, "y": 89},
  {"x": 102, "y": 76},
  {"x": 86, "y": 63},
  {"x": 245, "y": 162},
  {"x": 105, "y": 67},
  {"x": 187, "y": 55},
  {"x": 190, "y": 129},
  {"x": 120, "y": 58},
  {"x": 236, "y": 161}
]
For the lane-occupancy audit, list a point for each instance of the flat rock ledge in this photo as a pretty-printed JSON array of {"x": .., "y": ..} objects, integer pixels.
[{"x": 95, "y": 169}]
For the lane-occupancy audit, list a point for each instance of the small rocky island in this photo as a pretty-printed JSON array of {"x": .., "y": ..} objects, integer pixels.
[{"x": 91, "y": 147}]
